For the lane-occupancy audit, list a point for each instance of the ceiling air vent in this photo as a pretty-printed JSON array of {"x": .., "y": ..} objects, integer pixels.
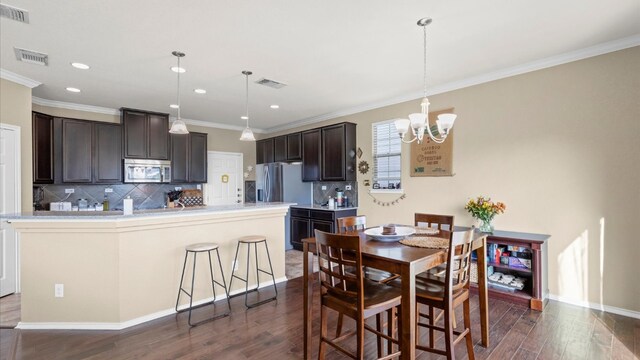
[
  {"x": 14, "y": 13},
  {"x": 32, "y": 57},
  {"x": 271, "y": 83}
]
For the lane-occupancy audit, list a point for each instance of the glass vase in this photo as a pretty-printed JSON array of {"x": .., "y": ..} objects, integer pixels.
[{"x": 485, "y": 226}]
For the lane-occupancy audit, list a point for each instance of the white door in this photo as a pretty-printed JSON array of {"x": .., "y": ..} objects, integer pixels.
[
  {"x": 225, "y": 184},
  {"x": 9, "y": 204}
]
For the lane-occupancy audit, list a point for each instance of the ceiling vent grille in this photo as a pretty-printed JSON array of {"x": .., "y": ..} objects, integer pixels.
[
  {"x": 31, "y": 57},
  {"x": 271, "y": 83},
  {"x": 14, "y": 13}
]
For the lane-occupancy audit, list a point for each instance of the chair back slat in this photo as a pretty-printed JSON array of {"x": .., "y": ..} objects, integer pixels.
[
  {"x": 337, "y": 253},
  {"x": 458, "y": 262},
  {"x": 441, "y": 222},
  {"x": 351, "y": 224}
]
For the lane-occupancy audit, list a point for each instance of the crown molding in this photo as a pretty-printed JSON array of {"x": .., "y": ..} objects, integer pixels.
[
  {"x": 540, "y": 64},
  {"x": 110, "y": 111},
  {"x": 74, "y": 106},
  {"x": 215, "y": 125},
  {"x": 18, "y": 79}
]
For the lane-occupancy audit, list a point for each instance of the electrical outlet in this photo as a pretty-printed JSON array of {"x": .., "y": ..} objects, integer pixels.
[
  {"x": 199, "y": 187},
  {"x": 178, "y": 188},
  {"x": 324, "y": 187},
  {"x": 69, "y": 191},
  {"x": 108, "y": 190},
  {"x": 347, "y": 187},
  {"x": 58, "y": 290}
]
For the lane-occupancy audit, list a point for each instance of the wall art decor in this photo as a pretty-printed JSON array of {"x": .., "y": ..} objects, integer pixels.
[
  {"x": 363, "y": 167},
  {"x": 388, "y": 203},
  {"x": 431, "y": 158}
]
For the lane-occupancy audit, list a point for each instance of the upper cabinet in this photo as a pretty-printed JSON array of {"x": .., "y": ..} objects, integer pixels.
[
  {"x": 339, "y": 152},
  {"x": 280, "y": 149},
  {"x": 294, "y": 147},
  {"x": 311, "y": 155},
  {"x": 86, "y": 152},
  {"x": 42, "y": 137},
  {"x": 264, "y": 151},
  {"x": 146, "y": 134},
  {"x": 189, "y": 158}
]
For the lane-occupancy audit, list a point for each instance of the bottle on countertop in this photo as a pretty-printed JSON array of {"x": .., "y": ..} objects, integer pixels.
[
  {"x": 339, "y": 197},
  {"x": 332, "y": 203},
  {"x": 105, "y": 203},
  {"x": 127, "y": 206}
]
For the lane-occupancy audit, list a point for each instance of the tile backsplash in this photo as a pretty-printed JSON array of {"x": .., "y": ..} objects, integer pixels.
[
  {"x": 145, "y": 196},
  {"x": 322, "y": 196}
]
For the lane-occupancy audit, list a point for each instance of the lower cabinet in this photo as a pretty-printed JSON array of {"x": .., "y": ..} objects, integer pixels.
[{"x": 304, "y": 222}]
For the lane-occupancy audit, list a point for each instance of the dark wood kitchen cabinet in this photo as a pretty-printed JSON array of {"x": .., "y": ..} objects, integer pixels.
[
  {"x": 294, "y": 147},
  {"x": 304, "y": 221},
  {"x": 42, "y": 138},
  {"x": 146, "y": 134},
  {"x": 264, "y": 151},
  {"x": 189, "y": 158},
  {"x": 77, "y": 147},
  {"x": 339, "y": 152},
  {"x": 311, "y": 155},
  {"x": 280, "y": 148},
  {"x": 107, "y": 153}
]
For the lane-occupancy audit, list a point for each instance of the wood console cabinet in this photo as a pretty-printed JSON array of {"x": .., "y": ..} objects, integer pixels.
[
  {"x": 305, "y": 220},
  {"x": 146, "y": 134},
  {"x": 536, "y": 290},
  {"x": 189, "y": 158}
]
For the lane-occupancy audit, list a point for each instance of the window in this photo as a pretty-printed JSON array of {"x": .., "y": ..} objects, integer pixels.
[{"x": 386, "y": 156}]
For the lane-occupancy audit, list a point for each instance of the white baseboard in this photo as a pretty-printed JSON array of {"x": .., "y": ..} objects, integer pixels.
[
  {"x": 596, "y": 306},
  {"x": 128, "y": 323}
]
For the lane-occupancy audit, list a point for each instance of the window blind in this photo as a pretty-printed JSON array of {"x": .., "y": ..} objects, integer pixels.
[{"x": 386, "y": 155}]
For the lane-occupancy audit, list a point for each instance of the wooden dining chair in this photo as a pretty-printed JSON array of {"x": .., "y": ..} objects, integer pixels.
[
  {"x": 447, "y": 295},
  {"x": 440, "y": 222},
  {"x": 351, "y": 224},
  {"x": 349, "y": 293}
]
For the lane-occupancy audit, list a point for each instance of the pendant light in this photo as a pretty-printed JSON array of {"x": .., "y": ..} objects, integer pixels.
[
  {"x": 178, "y": 126},
  {"x": 419, "y": 122},
  {"x": 247, "y": 134}
]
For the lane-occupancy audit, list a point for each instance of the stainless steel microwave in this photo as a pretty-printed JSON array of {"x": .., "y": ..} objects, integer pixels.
[{"x": 147, "y": 171}]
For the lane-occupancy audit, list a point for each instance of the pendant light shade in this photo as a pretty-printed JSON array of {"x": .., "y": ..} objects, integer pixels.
[
  {"x": 247, "y": 133},
  {"x": 178, "y": 126}
]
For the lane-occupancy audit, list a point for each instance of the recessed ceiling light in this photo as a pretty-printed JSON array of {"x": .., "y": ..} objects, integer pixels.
[
  {"x": 174, "y": 106},
  {"x": 275, "y": 106},
  {"x": 244, "y": 117},
  {"x": 72, "y": 89},
  {"x": 80, "y": 66},
  {"x": 200, "y": 91},
  {"x": 178, "y": 69}
]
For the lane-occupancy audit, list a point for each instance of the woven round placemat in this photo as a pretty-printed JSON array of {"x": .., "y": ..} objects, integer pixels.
[{"x": 431, "y": 242}]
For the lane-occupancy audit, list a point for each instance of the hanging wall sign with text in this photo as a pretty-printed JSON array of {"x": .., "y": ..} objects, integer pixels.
[{"x": 430, "y": 158}]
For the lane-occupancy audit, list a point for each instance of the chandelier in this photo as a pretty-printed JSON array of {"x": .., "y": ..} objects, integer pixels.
[{"x": 419, "y": 122}]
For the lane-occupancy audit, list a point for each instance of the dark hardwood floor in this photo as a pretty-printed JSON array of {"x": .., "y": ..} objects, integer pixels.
[{"x": 274, "y": 331}]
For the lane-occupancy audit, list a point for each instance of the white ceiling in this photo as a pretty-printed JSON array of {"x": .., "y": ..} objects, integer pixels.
[{"x": 334, "y": 55}]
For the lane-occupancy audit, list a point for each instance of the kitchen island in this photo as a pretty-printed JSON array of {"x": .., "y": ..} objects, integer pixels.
[{"x": 122, "y": 270}]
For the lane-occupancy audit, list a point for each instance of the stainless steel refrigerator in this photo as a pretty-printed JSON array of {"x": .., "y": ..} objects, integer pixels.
[{"x": 279, "y": 182}]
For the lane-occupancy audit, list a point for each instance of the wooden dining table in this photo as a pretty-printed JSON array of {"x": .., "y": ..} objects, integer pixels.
[{"x": 407, "y": 261}]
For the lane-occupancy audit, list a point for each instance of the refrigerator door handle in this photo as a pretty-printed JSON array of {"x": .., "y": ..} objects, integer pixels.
[{"x": 267, "y": 187}]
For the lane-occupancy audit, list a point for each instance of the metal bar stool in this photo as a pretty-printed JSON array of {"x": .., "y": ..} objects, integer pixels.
[
  {"x": 253, "y": 240},
  {"x": 195, "y": 249}
]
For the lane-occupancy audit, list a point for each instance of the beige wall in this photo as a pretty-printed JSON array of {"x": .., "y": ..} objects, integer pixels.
[
  {"x": 561, "y": 147},
  {"x": 15, "y": 109},
  {"x": 217, "y": 140}
]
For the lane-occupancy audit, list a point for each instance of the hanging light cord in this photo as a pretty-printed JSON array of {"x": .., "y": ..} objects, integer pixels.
[
  {"x": 424, "y": 29},
  {"x": 247, "y": 99},
  {"x": 178, "y": 87}
]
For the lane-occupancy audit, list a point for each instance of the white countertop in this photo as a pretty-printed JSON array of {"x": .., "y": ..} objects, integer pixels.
[
  {"x": 318, "y": 207},
  {"x": 139, "y": 214}
]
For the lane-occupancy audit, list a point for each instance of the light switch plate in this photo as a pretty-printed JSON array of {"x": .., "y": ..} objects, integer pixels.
[
  {"x": 199, "y": 187},
  {"x": 69, "y": 191},
  {"x": 108, "y": 190},
  {"x": 178, "y": 188},
  {"x": 347, "y": 187},
  {"x": 324, "y": 187}
]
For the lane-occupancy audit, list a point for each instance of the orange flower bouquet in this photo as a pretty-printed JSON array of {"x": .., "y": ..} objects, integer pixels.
[{"x": 484, "y": 210}]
